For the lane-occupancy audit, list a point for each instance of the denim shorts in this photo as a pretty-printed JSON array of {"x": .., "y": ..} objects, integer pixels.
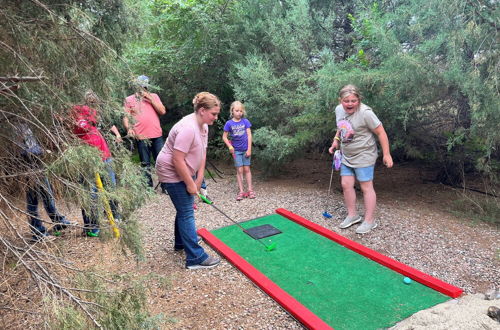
[
  {"x": 240, "y": 159},
  {"x": 363, "y": 174}
]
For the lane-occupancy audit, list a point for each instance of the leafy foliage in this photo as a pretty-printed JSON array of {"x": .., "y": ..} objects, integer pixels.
[
  {"x": 185, "y": 49},
  {"x": 50, "y": 54},
  {"x": 432, "y": 75},
  {"x": 58, "y": 44},
  {"x": 429, "y": 70},
  {"x": 275, "y": 78}
]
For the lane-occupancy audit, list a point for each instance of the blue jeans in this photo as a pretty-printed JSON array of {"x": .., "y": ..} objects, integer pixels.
[
  {"x": 185, "y": 228},
  {"x": 91, "y": 218},
  {"x": 42, "y": 189},
  {"x": 146, "y": 148}
]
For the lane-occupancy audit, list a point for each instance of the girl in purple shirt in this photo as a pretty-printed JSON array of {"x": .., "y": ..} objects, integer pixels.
[{"x": 240, "y": 146}]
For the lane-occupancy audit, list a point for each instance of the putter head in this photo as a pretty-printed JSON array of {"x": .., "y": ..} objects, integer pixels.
[
  {"x": 327, "y": 215},
  {"x": 271, "y": 247}
]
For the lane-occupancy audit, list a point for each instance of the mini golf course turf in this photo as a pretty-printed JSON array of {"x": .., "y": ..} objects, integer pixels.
[{"x": 342, "y": 288}]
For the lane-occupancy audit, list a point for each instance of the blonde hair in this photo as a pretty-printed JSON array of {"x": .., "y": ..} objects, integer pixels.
[
  {"x": 91, "y": 97},
  {"x": 234, "y": 104},
  {"x": 205, "y": 100},
  {"x": 349, "y": 90}
]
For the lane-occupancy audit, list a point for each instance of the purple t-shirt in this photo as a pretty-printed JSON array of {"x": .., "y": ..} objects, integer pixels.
[{"x": 238, "y": 133}]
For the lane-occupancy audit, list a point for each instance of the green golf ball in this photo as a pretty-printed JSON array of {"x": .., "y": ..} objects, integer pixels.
[{"x": 407, "y": 280}]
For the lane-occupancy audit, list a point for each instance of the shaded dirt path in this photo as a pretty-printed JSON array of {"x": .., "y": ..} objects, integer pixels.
[{"x": 414, "y": 228}]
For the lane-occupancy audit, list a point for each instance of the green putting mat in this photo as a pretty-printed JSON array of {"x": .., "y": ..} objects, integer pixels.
[{"x": 343, "y": 288}]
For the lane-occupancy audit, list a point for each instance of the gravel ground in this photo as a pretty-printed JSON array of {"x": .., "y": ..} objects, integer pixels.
[
  {"x": 222, "y": 298},
  {"x": 414, "y": 228}
]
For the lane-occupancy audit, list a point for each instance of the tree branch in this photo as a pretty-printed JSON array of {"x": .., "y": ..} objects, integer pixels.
[{"x": 22, "y": 79}]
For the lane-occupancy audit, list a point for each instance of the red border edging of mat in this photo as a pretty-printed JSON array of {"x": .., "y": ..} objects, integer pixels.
[
  {"x": 421, "y": 277},
  {"x": 298, "y": 311}
]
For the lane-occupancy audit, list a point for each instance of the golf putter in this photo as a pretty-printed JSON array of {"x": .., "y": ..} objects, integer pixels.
[
  {"x": 326, "y": 214},
  {"x": 107, "y": 207},
  {"x": 269, "y": 247}
]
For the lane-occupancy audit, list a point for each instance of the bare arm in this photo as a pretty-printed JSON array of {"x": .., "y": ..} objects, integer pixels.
[
  {"x": 384, "y": 144},
  {"x": 335, "y": 142},
  {"x": 114, "y": 130},
  {"x": 126, "y": 125},
  {"x": 158, "y": 106},
  {"x": 183, "y": 171},
  {"x": 227, "y": 142},
  {"x": 249, "y": 148}
]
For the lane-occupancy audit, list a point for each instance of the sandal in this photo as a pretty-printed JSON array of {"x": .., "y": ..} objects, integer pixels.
[
  {"x": 240, "y": 196},
  {"x": 251, "y": 194}
]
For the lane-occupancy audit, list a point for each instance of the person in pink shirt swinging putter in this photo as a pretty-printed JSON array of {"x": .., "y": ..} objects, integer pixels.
[
  {"x": 180, "y": 167},
  {"x": 240, "y": 146}
]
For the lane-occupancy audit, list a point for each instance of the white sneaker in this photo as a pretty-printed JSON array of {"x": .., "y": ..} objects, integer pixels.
[
  {"x": 366, "y": 227},
  {"x": 349, "y": 221},
  {"x": 204, "y": 192}
]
